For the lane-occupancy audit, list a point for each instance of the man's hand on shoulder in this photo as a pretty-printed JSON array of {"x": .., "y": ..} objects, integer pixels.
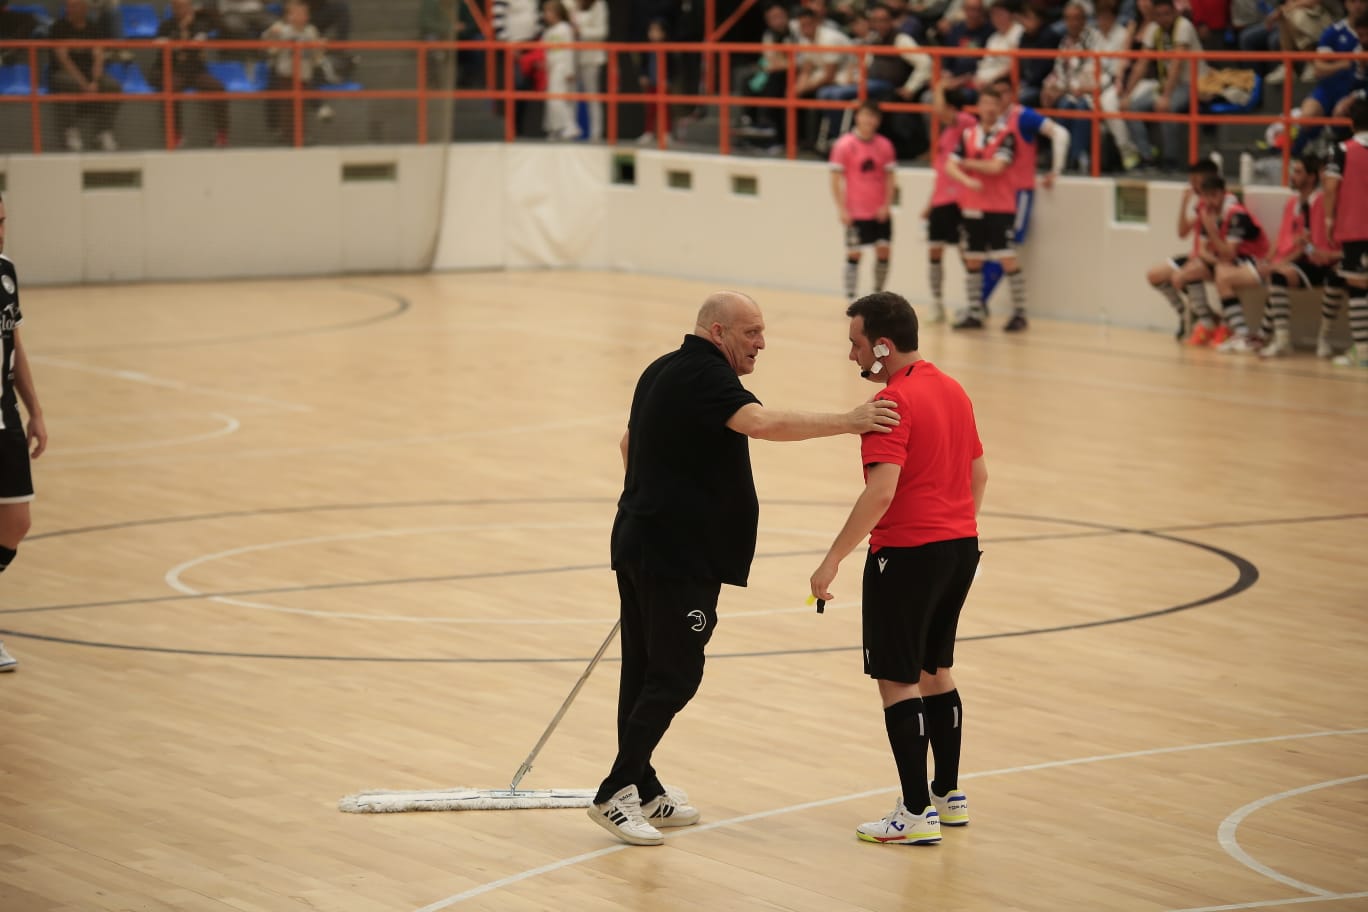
[{"x": 880, "y": 416}]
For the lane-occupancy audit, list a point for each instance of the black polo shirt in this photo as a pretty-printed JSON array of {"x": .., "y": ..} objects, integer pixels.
[{"x": 688, "y": 507}]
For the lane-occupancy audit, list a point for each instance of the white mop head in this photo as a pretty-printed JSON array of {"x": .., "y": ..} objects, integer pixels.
[{"x": 383, "y": 801}]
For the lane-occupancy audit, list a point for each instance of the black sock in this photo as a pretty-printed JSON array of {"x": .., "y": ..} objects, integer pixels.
[
  {"x": 6, "y": 555},
  {"x": 944, "y": 716},
  {"x": 907, "y": 737}
]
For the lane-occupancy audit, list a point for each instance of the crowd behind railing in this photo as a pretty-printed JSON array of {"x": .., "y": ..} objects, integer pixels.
[{"x": 1134, "y": 81}]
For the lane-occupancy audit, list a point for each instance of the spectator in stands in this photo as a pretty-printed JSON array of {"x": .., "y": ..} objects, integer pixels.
[
  {"x": 846, "y": 84},
  {"x": 901, "y": 77},
  {"x": 82, "y": 70},
  {"x": 1334, "y": 78},
  {"x": 188, "y": 70},
  {"x": 649, "y": 77},
  {"x": 1169, "y": 89},
  {"x": 815, "y": 70},
  {"x": 1360, "y": 88},
  {"x": 451, "y": 20},
  {"x": 106, "y": 13},
  {"x": 770, "y": 78},
  {"x": 1006, "y": 36},
  {"x": 1071, "y": 86},
  {"x": 971, "y": 31},
  {"x": 294, "y": 27},
  {"x": 516, "y": 20},
  {"x": 590, "y": 18},
  {"x": 1211, "y": 19},
  {"x": 558, "y": 117},
  {"x": 242, "y": 19},
  {"x": 1036, "y": 35}
]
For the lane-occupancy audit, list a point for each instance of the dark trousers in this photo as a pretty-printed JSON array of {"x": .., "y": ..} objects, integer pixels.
[
  {"x": 666, "y": 623},
  {"x": 200, "y": 81},
  {"x": 101, "y": 113}
]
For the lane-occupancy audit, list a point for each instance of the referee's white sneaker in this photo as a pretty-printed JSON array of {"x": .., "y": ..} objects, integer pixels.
[
  {"x": 669, "y": 811},
  {"x": 621, "y": 816},
  {"x": 953, "y": 808},
  {"x": 902, "y": 827},
  {"x": 7, "y": 661}
]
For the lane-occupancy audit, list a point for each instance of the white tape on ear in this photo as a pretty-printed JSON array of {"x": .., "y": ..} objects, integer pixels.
[{"x": 881, "y": 351}]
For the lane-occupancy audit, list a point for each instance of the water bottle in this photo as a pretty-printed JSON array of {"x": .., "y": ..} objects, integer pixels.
[
  {"x": 1246, "y": 169},
  {"x": 1220, "y": 162}
]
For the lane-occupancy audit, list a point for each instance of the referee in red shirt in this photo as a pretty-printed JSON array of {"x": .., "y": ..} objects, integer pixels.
[{"x": 924, "y": 483}]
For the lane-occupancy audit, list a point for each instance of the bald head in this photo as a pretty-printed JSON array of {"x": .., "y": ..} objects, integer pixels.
[
  {"x": 732, "y": 321},
  {"x": 724, "y": 308}
]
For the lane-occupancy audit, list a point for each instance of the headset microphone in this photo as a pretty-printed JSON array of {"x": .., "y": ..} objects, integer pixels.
[{"x": 880, "y": 351}]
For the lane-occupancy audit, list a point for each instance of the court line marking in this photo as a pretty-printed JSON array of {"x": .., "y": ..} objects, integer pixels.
[
  {"x": 1227, "y": 833},
  {"x": 162, "y": 383},
  {"x": 1274, "y": 903},
  {"x": 230, "y": 424},
  {"x": 826, "y": 802}
]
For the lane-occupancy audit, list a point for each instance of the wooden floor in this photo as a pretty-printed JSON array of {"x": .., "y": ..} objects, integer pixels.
[{"x": 299, "y": 539}]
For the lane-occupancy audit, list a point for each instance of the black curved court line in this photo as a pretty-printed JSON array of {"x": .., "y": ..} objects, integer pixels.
[
  {"x": 462, "y": 577},
  {"x": 401, "y": 306},
  {"x": 1248, "y": 575}
]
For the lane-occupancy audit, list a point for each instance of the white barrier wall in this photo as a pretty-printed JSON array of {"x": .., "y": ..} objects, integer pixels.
[
  {"x": 555, "y": 209},
  {"x": 228, "y": 214},
  {"x": 747, "y": 222}
]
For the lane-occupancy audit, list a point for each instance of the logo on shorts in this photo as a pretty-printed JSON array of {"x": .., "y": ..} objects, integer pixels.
[
  {"x": 883, "y": 562},
  {"x": 700, "y": 620},
  {"x": 8, "y": 283}
]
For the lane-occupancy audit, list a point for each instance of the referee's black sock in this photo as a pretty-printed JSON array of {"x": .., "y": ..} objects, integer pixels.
[
  {"x": 907, "y": 737},
  {"x": 6, "y": 555},
  {"x": 944, "y": 716}
]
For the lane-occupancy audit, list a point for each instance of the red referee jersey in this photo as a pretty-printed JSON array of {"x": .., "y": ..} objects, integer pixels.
[{"x": 935, "y": 442}]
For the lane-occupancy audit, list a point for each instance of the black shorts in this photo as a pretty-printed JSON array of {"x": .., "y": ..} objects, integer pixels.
[
  {"x": 16, "y": 478},
  {"x": 1355, "y": 262},
  {"x": 863, "y": 232},
  {"x": 1314, "y": 275},
  {"x": 912, "y": 601},
  {"x": 943, "y": 227},
  {"x": 988, "y": 236}
]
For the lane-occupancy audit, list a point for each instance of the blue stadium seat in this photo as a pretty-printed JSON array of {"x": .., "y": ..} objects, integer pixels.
[
  {"x": 341, "y": 87},
  {"x": 237, "y": 77},
  {"x": 14, "y": 80},
  {"x": 1254, "y": 103},
  {"x": 129, "y": 77},
  {"x": 140, "y": 20}
]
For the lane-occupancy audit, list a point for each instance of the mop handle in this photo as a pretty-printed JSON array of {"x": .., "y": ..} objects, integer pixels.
[{"x": 574, "y": 692}]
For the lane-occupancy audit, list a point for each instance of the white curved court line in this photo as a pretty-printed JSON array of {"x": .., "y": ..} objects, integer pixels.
[
  {"x": 747, "y": 818},
  {"x": 230, "y": 425},
  {"x": 1226, "y": 834},
  {"x": 173, "y": 579},
  {"x": 1275, "y": 903},
  {"x": 162, "y": 383}
]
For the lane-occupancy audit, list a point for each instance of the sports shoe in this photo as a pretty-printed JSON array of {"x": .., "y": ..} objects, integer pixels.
[
  {"x": 324, "y": 113},
  {"x": 107, "y": 141},
  {"x": 7, "y": 661},
  {"x": 968, "y": 321},
  {"x": 74, "y": 143},
  {"x": 1279, "y": 345},
  {"x": 1219, "y": 335},
  {"x": 667, "y": 811},
  {"x": 621, "y": 816},
  {"x": 1130, "y": 159},
  {"x": 953, "y": 809},
  {"x": 1201, "y": 336},
  {"x": 1351, "y": 358},
  {"x": 902, "y": 827},
  {"x": 1016, "y": 324},
  {"x": 1323, "y": 348},
  {"x": 1238, "y": 344}
]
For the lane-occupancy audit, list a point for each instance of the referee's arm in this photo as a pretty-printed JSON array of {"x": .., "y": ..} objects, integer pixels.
[
  {"x": 978, "y": 481},
  {"x": 881, "y": 483},
  {"x": 754, "y": 420},
  {"x": 623, "y": 446}
]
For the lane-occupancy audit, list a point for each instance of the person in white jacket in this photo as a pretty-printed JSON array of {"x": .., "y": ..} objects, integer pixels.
[
  {"x": 590, "y": 18},
  {"x": 559, "y": 119}
]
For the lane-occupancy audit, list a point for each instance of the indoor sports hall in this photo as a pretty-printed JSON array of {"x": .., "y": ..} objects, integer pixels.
[{"x": 333, "y": 417}]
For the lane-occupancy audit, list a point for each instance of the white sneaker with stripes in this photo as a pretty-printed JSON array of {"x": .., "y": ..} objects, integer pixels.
[
  {"x": 902, "y": 827},
  {"x": 7, "y": 661},
  {"x": 621, "y": 816},
  {"x": 953, "y": 808},
  {"x": 668, "y": 811}
]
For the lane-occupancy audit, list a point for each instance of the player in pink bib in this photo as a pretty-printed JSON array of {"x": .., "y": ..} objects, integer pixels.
[
  {"x": 863, "y": 185},
  {"x": 942, "y": 213}
]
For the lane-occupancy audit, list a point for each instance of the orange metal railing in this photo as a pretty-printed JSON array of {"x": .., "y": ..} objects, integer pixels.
[{"x": 501, "y": 85}]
